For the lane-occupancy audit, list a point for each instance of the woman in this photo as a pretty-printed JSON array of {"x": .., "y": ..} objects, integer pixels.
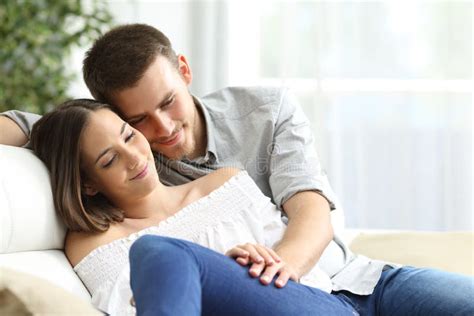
[{"x": 107, "y": 191}]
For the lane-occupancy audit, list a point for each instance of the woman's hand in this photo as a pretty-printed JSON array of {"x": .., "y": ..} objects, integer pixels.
[{"x": 264, "y": 263}]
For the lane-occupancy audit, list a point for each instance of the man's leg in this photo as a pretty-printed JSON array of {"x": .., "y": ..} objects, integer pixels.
[
  {"x": 416, "y": 291},
  {"x": 176, "y": 277}
]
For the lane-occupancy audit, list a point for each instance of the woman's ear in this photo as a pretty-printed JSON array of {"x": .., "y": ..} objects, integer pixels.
[{"x": 89, "y": 189}]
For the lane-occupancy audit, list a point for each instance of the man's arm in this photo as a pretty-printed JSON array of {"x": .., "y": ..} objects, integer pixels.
[
  {"x": 308, "y": 233},
  {"x": 299, "y": 185},
  {"x": 16, "y": 126},
  {"x": 11, "y": 133},
  {"x": 300, "y": 188}
]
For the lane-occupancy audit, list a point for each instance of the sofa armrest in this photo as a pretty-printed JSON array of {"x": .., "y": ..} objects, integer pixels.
[{"x": 449, "y": 251}]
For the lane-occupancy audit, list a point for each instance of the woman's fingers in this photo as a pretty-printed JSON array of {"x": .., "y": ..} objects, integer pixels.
[
  {"x": 264, "y": 254},
  {"x": 282, "y": 279},
  {"x": 264, "y": 262},
  {"x": 237, "y": 252},
  {"x": 260, "y": 253},
  {"x": 269, "y": 273},
  {"x": 243, "y": 261},
  {"x": 256, "y": 269},
  {"x": 275, "y": 256},
  {"x": 240, "y": 255},
  {"x": 260, "y": 256},
  {"x": 255, "y": 254}
]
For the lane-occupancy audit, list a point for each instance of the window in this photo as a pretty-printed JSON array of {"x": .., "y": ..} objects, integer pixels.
[{"x": 388, "y": 88}]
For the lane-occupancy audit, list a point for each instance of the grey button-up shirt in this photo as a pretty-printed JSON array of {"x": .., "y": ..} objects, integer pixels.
[
  {"x": 261, "y": 130},
  {"x": 264, "y": 131}
]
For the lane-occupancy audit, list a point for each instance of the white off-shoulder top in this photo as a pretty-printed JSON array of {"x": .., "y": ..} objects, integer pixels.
[{"x": 235, "y": 213}]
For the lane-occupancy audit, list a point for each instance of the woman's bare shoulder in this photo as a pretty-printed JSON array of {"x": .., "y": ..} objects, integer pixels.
[
  {"x": 79, "y": 244},
  {"x": 205, "y": 185},
  {"x": 224, "y": 174},
  {"x": 220, "y": 176}
]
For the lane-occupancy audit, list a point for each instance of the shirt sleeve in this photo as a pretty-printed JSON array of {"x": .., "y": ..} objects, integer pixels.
[
  {"x": 294, "y": 163},
  {"x": 24, "y": 120}
]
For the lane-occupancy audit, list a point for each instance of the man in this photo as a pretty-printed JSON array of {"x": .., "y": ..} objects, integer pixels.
[{"x": 262, "y": 130}]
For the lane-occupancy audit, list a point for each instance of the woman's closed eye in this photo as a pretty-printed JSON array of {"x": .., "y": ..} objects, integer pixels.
[
  {"x": 130, "y": 136},
  {"x": 109, "y": 163}
]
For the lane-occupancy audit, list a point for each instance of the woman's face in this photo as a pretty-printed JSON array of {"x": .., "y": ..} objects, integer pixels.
[{"x": 116, "y": 159}]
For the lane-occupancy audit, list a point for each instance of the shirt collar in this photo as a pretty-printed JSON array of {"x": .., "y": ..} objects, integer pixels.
[{"x": 211, "y": 152}]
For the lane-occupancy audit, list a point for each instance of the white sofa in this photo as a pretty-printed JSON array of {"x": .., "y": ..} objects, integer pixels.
[{"x": 32, "y": 236}]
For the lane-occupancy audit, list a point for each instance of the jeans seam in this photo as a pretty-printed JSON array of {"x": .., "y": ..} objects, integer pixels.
[{"x": 350, "y": 302}]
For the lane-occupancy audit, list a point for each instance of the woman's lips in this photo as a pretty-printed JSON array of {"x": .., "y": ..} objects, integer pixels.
[
  {"x": 173, "y": 140},
  {"x": 142, "y": 173}
]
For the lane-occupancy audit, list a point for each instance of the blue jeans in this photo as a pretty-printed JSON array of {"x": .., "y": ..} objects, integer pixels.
[{"x": 175, "y": 277}]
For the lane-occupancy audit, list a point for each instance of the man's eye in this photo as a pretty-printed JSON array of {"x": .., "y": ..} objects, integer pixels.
[
  {"x": 136, "y": 121},
  {"x": 130, "y": 136},
  {"x": 168, "y": 103}
]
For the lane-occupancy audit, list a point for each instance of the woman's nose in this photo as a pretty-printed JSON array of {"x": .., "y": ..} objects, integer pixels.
[{"x": 132, "y": 160}]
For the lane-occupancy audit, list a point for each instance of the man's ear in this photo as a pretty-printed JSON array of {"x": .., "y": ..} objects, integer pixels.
[
  {"x": 89, "y": 189},
  {"x": 184, "y": 69}
]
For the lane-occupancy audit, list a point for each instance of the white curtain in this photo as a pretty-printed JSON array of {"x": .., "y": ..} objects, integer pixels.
[
  {"x": 388, "y": 88},
  {"x": 386, "y": 84}
]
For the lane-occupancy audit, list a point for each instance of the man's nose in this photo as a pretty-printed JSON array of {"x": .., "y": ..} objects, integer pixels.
[{"x": 163, "y": 126}]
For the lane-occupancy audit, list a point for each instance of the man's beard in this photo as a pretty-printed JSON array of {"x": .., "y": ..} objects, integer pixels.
[{"x": 183, "y": 151}]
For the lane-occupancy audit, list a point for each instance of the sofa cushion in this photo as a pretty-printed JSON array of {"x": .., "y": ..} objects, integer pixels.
[
  {"x": 51, "y": 265},
  {"x": 21, "y": 292},
  {"x": 27, "y": 217},
  {"x": 449, "y": 251}
]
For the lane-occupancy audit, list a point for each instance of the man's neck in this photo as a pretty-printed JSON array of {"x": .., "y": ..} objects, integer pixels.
[{"x": 200, "y": 135}]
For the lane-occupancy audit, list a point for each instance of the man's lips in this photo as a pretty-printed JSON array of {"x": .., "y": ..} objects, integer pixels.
[
  {"x": 171, "y": 141},
  {"x": 142, "y": 173}
]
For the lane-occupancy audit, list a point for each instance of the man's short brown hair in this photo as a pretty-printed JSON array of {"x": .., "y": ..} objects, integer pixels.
[{"x": 120, "y": 57}]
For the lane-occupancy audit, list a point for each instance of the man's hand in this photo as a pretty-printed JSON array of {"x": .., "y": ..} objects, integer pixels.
[
  {"x": 308, "y": 233},
  {"x": 264, "y": 263}
]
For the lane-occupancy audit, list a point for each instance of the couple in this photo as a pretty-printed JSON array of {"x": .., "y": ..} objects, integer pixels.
[{"x": 110, "y": 195}]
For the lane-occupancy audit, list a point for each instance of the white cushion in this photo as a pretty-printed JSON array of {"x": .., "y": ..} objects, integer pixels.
[
  {"x": 27, "y": 217},
  {"x": 51, "y": 265}
]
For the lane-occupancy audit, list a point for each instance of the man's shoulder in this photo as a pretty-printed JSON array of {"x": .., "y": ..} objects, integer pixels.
[{"x": 241, "y": 100}]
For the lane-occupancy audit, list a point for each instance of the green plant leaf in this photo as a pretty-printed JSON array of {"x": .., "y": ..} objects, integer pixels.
[{"x": 36, "y": 39}]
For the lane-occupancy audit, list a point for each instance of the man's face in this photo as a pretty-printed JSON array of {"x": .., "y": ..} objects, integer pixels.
[{"x": 161, "y": 107}]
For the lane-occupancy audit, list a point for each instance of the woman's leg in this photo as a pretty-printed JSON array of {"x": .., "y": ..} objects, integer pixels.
[{"x": 175, "y": 277}]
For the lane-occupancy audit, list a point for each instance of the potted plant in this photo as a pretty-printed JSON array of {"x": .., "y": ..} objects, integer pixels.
[{"x": 37, "y": 37}]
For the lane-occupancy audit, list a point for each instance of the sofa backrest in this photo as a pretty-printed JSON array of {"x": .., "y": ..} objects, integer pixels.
[{"x": 28, "y": 220}]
